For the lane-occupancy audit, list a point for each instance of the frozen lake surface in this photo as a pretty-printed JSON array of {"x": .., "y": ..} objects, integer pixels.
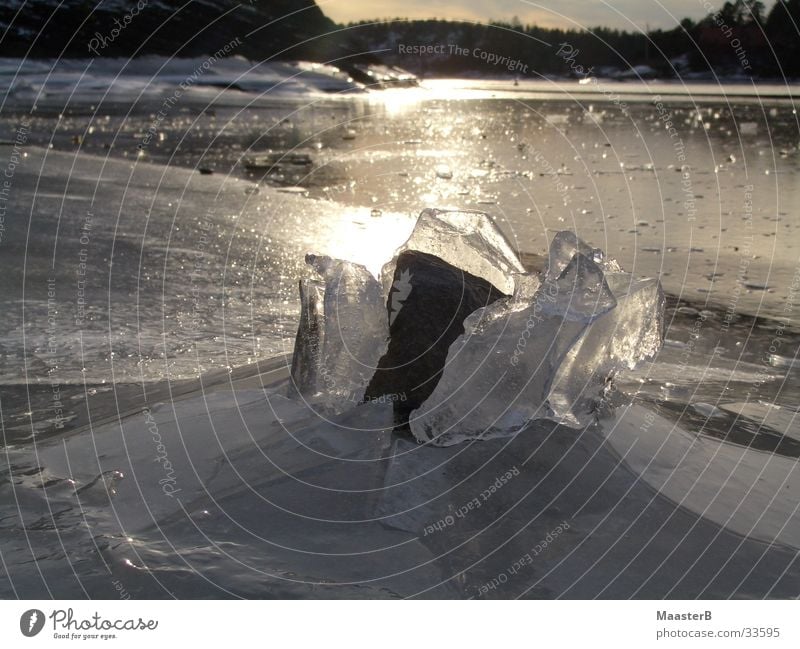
[{"x": 128, "y": 274}]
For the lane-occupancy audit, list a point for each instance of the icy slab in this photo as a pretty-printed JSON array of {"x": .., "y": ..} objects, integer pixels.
[
  {"x": 630, "y": 332},
  {"x": 467, "y": 240},
  {"x": 342, "y": 334},
  {"x": 128, "y": 80},
  {"x": 308, "y": 342},
  {"x": 476, "y": 347},
  {"x": 564, "y": 247},
  {"x": 552, "y": 356},
  {"x": 347, "y": 320},
  {"x": 347, "y": 502},
  {"x": 498, "y": 375},
  {"x": 781, "y": 419}
]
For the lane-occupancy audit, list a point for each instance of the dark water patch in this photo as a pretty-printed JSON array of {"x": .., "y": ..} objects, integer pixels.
[{"x": 729, "y": 427}]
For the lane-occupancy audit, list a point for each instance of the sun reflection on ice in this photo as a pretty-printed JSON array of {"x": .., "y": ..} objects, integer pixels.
[
  {"x": 359, "y": 237},
  {"x": 398, "y": 101}
]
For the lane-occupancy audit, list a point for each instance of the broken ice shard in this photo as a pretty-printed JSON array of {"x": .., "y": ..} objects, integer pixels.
[
  {"x": 308, "y": 341},
  {"x": 550, "y": 356},
  {"x": 579, "y": 293},
  {"x": 564, "y": 247},
  {"x": 465, "y": 342},
  {"x": 465, "y": 240},
  {"x": 628, "y": 333},
  {"x": 342, "y": 333},
  {"x": 498, "y": 375},
  {"x": 452, "y": 264}
]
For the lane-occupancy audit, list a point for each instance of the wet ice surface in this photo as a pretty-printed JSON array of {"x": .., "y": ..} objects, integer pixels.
[
  {"x": 241, "y": 492},
  {"x": 127, "y": 80},
  {"x": 157, "y": 272},
  {"x": 683, "y": 215},
  {"x": 687, "y": 487}
]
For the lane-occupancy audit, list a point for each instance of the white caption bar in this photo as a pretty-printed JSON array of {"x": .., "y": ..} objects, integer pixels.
[{"x": 386, "y": 625}]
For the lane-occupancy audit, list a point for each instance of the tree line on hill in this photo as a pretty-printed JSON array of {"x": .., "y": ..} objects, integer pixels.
[{"x": 740, "y": 39}]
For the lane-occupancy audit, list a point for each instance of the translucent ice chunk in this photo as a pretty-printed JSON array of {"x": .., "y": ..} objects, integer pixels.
[
  {"x": 342, "y": 334},
  {"x": 525, "y": 286},
  {"x": 546, "y": 357},
  {"x": 532, "y": 347},
  {"x": 564, "y": 247},
  {"x": 308, "y": 342},
  {"x": 498, "y": 375},
  {"x": 580, "y": 292},
  {"x": 620, "y": 338},
  {"x": 466, "y": 240}
]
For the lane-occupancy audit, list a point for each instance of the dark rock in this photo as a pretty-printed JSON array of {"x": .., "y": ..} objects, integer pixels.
[{"x": 427, "y": 306}]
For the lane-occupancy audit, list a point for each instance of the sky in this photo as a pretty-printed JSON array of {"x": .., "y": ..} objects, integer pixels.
[{"x": 623, "y": 14}]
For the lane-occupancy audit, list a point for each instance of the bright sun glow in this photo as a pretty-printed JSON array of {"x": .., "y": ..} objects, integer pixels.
[{"x": 369, "y": 240}]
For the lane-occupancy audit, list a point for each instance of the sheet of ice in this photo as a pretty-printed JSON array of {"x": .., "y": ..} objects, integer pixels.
[
  {"x": 342, "y": 335},
  {"x": 152, "y": 76},
  {"x": 669, "y": 373},
  {"x": 750, "y": 492},
  {"x": 239, "y": 491},
  {"x": 781, "y": 419},
  {"x": 186, "y": 456},
  {"x": 220, "y": 315}
]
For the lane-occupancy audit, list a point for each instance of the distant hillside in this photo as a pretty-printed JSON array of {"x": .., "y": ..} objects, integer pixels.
[
  {"x": 740, "y": 39},
  {"x": 51, "y": 28}
]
